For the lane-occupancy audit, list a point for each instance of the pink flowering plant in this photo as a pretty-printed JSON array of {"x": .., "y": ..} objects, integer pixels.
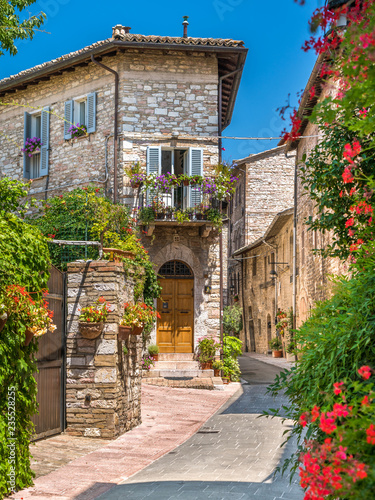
[
  {"x": 78, "y": 130},
  {"x": 339, "y": 462},
  {"x": 32, "y": 145},
  {"x": 147, "y": 362}
]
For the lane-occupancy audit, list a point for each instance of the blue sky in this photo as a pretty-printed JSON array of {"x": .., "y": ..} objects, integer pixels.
[{"x": 273, "y": 31}]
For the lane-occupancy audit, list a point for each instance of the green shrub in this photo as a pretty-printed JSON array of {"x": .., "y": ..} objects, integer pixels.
[
  {"x": 24, "y": 261},
  {"x": 232, "y": 320},
  {"x": 232, "y": 347}
]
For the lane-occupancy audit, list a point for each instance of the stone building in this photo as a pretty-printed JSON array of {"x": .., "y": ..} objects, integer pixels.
[
  {"x": 266, "y": 281},
  {"x": 264, "y": 188},
  {"x": 161, "y": 101},
  {"x": 313, "y": 270}
]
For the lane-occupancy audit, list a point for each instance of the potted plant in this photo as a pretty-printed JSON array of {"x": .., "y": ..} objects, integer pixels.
[
  {"x": 190, "y": 213},
  {"x": 135, "y": 175},
  {"x": 78, "y": 130},
  {"x": 135, "y": 318},
  {"x": 184, "y": 180},
  {"x": 226, "y": 375},
  {"x": 236, "y": 298},
  {"x": 146, "y": 215},
  {"x": 214, "y": 215},
  {"x": 153, "y": 351},
  {"x": 31, "y": 313},
  {"x": 276, "y": 345},
  {"x": 181, "y": 216},
  {"x": 32, "y": 145},
  {"x": 92, "y": 319},
  {"x": 169, "y": 212},
  {"x": 207, "y": 347},
  {"x": 217, "y": 366}
]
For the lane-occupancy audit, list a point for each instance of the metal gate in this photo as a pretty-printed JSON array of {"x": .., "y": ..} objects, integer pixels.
[{"x": 51, "y": 364}]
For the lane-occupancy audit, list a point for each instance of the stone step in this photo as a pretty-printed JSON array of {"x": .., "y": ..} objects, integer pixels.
[
  {"x": 173, "y": 356},
  {"x": 176, "y": 365},
  {"x": 179, "y": 373}
]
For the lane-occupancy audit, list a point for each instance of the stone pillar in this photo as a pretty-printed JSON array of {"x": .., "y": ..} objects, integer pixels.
[{"x": 103, "y": 387}]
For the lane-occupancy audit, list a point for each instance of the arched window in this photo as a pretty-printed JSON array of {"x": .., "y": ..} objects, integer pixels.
[{"x": 176, "y": 269}]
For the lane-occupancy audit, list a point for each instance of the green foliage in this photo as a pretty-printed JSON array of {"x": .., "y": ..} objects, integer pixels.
[
  {"x": 322, "y": 180},
  {"x": 84, "y": 214},
  {"x": 12, "y": 29},
  {"x": 207, "y": 347},
  {"x": 334, "y": 342},
  {"x": 146, "y": 215},
  {"x": 232, "y": 320},
  {"x": 215, "y": 216},
  {"x": 232, "y": 347},
  {"x": 24, "y": 260}
]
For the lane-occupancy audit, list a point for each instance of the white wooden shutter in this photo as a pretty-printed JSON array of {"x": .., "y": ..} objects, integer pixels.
[
  {"x": 153, "y": 166},
  {"x": 195, "y": 168},
  {"x": 44, "y": 150},
  {"x": 68, "y": 118},
  {"x": 26, "y": 135},
  {"x": 91, "y": 112}
]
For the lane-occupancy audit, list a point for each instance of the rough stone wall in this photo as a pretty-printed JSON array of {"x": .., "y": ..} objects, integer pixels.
[
  {"x": 259, "y": 289},
  {"x": 202, "y": 255},
  {"x": 160, "y": 93},
  {"x": 103, "y": 388},
  {"x": 313, "y": 283},
  {"x": 269, "y": 191}
]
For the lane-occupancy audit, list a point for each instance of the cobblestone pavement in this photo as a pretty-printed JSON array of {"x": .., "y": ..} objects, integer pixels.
[
  {"x": 83, "y": 472},
  {"x": 233, "y": 456}
]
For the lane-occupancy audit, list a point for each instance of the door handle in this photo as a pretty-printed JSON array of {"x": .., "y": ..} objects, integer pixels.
[
  {"x": 184, "y": 312},
  {"x": 165, "y": 312}
]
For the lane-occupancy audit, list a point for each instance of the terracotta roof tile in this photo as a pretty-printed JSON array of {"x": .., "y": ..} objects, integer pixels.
[{"x": 120, "y": 35}]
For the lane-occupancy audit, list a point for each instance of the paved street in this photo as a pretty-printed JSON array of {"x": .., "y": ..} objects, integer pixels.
[{"x": 233, "y": 456}]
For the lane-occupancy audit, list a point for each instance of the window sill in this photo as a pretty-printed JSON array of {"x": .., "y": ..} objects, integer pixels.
[{"x": 74, "y": 139}]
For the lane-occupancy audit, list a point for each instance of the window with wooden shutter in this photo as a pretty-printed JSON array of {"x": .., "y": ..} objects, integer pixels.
[
  {"x": 26, "y": 134},
  {"x": 195, "y": 168},
  {"x": 68, "y": 118},
  {"x": 44, "y": 135},
  {"x": 153, "y": 166},
  {"x": 91, "y": 113}
]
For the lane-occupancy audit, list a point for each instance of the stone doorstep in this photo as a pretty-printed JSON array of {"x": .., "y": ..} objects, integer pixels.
[
  {"x": 177, "y": 365},
  {"x": 179, "y": 373},
  {"x": 176, "y": 356}
]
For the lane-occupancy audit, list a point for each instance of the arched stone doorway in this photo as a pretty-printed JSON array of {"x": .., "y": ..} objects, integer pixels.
[{"x": 175, "y": 327}]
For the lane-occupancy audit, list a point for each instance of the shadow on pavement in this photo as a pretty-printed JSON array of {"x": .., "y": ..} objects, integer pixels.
[{"x": 191, "y": 490}]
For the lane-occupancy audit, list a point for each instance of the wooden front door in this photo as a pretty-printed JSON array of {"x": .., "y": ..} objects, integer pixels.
[{"x": 176, "y": 308}]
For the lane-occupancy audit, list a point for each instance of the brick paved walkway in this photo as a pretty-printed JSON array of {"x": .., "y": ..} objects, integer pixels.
[
  {"x": 170, "y": 416},
  {"x": 232, "y": 457}
]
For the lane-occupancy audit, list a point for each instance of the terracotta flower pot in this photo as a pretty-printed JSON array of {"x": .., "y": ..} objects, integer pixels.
[
  {"x": 116, "y": 254},
  {"x": 277, "y": 354},
  {"x": 90, "y": 330},
  {"x": 206, "y": 366},
  {"x": 217, "y": 373},
  {"x": 124, "y": 332},
  {"x": 225, "y": 380},
  {"x": 186, "y": 183},
  {"x": 137, "y": 330},
  {"x": 156, "y": 357},
  {"x": 29, "y": 336},
  {"x": 135, "y": 186}
]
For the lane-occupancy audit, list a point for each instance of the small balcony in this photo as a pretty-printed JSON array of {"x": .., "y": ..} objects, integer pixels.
[{"x": 172, "y": 209}]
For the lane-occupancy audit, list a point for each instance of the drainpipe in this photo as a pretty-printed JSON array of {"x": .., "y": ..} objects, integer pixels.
[
  {"x": 221, "y": 78},
  {"x": 295, "y": 249},
  {"x": 115, "y": 132}
]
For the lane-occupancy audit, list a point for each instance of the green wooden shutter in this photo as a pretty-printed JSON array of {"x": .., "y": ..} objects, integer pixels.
[
  {"x": 153, "y": 166},
  {"x": 44, "y": 150},
  {"x": 195, "y": 168},
  {"x": 91, "y": 112},
  {"x": 68, "y": 118},
  {"x": 26, "y": 134}
]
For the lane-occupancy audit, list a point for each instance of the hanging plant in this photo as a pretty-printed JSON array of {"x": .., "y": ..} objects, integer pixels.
[{"x": 32, "y": 145}]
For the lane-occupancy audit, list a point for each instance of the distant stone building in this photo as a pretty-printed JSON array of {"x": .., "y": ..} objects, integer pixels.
[
  {"x": 264, "y": 188},
  {"x": 159, "y": 101},
  {"x": 266, "y": 281}
]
